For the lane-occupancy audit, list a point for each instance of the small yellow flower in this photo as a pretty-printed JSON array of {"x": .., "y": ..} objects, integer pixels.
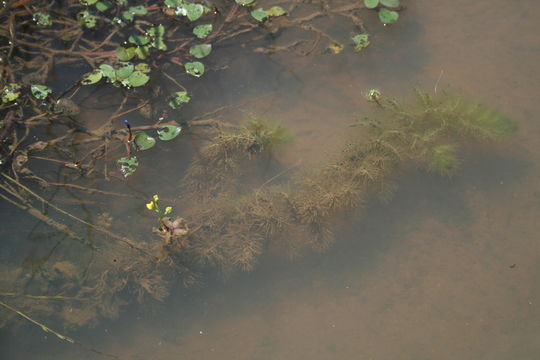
[
  {"x": 156, "y": 198},
  {"x": 168, "y": 210},
  {"x": 150, "y": 205}
]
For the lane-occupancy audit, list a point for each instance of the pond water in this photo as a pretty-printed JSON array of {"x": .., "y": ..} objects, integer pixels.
[{"x": 449, "y": 269}]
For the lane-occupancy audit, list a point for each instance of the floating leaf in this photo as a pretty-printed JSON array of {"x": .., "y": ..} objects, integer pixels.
[
  {"x": 390, "y": 3},
  {"x": 88, "y": 2},
  {"x": 143, "y": 67},
  {"x": 138, "y": 40},
  {"x": 128, "y": 165},
  {"x": 87, "y": 19},
  {"x": 388, "y": 16},
  {"x": 42, "y": 19},
  {"x": 138, "y": 10},
  {"x": 200, "y": 51},
  {"x": 104, "y": 5},
  {"x": 259, "y": 14},
  {"x": 169, "y": 132},
  {"x": 143, "y": 141},
  {"x": 124, "y": 71},
  {"x": 129, "y": 16},
  {"x": 194, "y": 11},
  {"x": 245, "y": 2},
  {"x": 142, "y": 52},
  {"x": 157, "y": 33},
  {"x": 194, "y": 68},
  {"x": 177, "y": 99},
  {"x": 361, "y": 41},
  {"x": 371, "y": 4},
  {"x": 92, "y": 78},
  {"x": 276, "y": 11},
  {"x": 10, "y": 92},
  {"x": 108, "y": 72},
  {"x": 40, "y": 91},
  {"x": 125, "y": 54},
  {"x": 202, "y": 31},
  {"x": 137, "y": 78}
]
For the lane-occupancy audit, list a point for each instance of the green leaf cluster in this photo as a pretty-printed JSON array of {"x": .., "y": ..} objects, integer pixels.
[
  {"x": 153, "y": 38},
  {"x": 192, "y": 11},
  {"x": 261, "y": 15},
  {"x": 178, "y": 99},
  {"x": 10, "y": 92},
  {"x": 42, "y": 19},
  {"x": 133, "y": 11},
  {"x": 360, "y": 41},
  {"x": 125, "y": 74},
  {"x": 387, "y": 13},
  {"x": 86, "y": 19},
  {"x": 194, "y": 68},
  {"x": 128, "y": 165}
]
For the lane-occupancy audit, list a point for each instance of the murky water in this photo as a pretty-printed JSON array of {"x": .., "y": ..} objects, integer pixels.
[{"x": 448, "y": 269}]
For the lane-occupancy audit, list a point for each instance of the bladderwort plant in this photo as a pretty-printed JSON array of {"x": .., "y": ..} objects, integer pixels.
[{"x": 153, "y": 205}]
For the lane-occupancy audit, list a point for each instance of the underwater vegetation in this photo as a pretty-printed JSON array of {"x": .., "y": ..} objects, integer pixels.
[{"x": 229, "y": 227}]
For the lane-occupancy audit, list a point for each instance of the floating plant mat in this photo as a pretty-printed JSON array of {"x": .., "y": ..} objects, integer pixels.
[{"x": 229, "y": 227}]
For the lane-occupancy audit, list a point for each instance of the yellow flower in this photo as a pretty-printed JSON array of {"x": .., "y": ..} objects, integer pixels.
[
  {"x": 156, "y": 198},
  {"x": 168, "y": 210},
  {"x": 150, "y": 205}
]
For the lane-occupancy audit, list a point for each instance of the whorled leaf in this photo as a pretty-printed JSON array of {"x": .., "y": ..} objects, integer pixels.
[
  {"x": 138, "y": 40},
  {"x": 108, "y": 72},
  {"x": 104, "y": 5},
  {"x": 124, "y": 71},
  {"x": 42, "y": 19}
]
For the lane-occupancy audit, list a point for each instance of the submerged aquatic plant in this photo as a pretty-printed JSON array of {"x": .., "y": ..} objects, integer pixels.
[{"x": 153, "y": 205}]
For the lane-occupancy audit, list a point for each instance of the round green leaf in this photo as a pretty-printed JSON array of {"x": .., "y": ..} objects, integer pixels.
[
  {"x": 104, "y": 5},
  {"x": 137, "y": 78},
  {"x": 138, "y": 40},
  {"x": 177, "y": 99},
  {"x": 388, "y": 16},
  {"x": 371, "y": 4},
  {"x": 108, "y": 71},
  {"x": 40, "y": 91},
  {"x": 276, "y": 11},
  {"x": 169, "y": 132},
  {"x": 245, "y": 2},
  {"x": 194, "y": 11},
  {"x": 143, "y": 141},
  {"x": 201, "y": 50},
  {"x": 360, "y": 41},
  {"x": 124, "y": 54},
  {"x": 92, "y": 78},
  {"x": 138, "y": 10},
  {"x": 259, "y": 14},
  {"x": 390, "y": 3},
  {"x": 142, "y": 52},
  {"x": 124, "y": 71},
  {"x": 202, "y": 31},
  {"x": 194, "y": 68}
]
